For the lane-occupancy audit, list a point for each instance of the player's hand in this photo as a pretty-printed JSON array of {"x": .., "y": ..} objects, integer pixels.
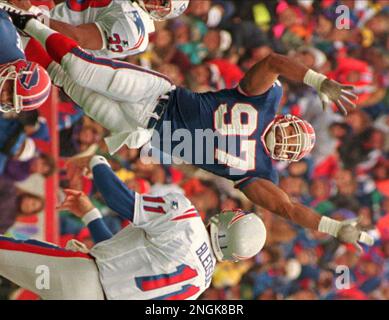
[
  {"x": 350, "y": 232},
  {"x": 76, "y": 180},
  {"x": 78, "y": 166},
  {"x": 76, "y": 202},
  {"x": 341, "y": 95}
]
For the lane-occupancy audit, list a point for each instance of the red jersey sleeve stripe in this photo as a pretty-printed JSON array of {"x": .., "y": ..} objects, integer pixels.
[
  {"x": 154, "y": 199},
  {"x": 154, "y": 209}
]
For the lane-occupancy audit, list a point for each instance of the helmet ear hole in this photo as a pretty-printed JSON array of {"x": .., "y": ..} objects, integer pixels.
[{"x": 237, "y": 235}]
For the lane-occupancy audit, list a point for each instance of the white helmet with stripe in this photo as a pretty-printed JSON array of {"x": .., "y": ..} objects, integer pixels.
[
  {"x": 237, "y": 235},
  {"x": 160, "y": 10}
]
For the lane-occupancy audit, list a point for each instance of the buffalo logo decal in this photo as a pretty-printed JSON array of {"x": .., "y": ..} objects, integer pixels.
[{"x": 30, "y": 77}]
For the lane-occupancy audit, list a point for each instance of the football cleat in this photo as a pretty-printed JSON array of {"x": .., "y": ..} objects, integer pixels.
[{"x": 18, "y": 16}]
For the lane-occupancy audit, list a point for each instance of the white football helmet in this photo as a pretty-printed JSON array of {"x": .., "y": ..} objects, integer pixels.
[
  {"x": 237, "y": 235},
  {"x": 160, "y": 10}
]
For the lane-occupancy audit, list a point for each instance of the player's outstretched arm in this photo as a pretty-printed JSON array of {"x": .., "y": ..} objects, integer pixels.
[
  {"x": 268, "y": 196},
  {"x": 263, "y": 74},
  {"x": 115, "y": 193},
  {"x": 88, "y": 36},
  {"x": 78, "y": 203}
]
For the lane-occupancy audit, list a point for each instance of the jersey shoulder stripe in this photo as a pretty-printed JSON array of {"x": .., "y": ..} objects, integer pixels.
[
  {"x": 190, "y": 213},
  {"x": 186, "y": 216}
]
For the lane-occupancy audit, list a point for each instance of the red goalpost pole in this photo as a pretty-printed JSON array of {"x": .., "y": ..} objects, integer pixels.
[{"x": 51, "y": 222}]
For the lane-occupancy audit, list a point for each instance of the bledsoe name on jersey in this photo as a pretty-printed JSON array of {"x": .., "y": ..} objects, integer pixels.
[
  {"x": 165, "y": 254},
  {"x": 124, "y": 26},
  {"x": 179, "y": 219}
]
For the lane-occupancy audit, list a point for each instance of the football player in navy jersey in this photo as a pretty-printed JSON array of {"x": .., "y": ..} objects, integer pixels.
[{"x": 133, "y": 103}]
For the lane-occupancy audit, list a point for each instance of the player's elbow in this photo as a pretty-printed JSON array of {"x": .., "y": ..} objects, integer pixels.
[
  {"x": 88, "y": 37},
  {"x": 273, "y": 62},
  {"x": 83, "y": 40},
  {"x": 95, "y": 43},
  {"x": 109, "y": 196},
  {"x": 261, "y": 77},
  {"x": 79, "y": 37}
]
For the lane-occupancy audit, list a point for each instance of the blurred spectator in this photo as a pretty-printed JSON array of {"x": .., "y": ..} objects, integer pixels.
[
  {"x": 163, "y": 51},
  {"x": 16, "y": 203},
  {"x": 17, "y": 170}
]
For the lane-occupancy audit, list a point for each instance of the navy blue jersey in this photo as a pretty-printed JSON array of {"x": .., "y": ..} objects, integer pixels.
[
  {"x": 10, "y": 43},
  {"x": 237, "y": 122}
]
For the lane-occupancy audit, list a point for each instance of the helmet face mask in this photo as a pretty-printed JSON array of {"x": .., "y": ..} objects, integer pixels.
[
  {"x": 8, "y": 79},
  {"x": 288, "y": 138},
  {"x": 160, "y": 10},
  {"x": 219, "y": 236},
  {"x": 236, "y": 235}
]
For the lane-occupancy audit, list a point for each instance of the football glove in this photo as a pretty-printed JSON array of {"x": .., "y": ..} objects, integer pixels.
[{"x": 347, "y": 231}]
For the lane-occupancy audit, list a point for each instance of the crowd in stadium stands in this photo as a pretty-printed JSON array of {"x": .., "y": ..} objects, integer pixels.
[{"x": 346, "y": 176}]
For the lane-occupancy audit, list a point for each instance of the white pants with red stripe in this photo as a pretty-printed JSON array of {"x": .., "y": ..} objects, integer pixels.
[
  {"x": 118, "y": 95},
  {"x": 51, "y": 272}
]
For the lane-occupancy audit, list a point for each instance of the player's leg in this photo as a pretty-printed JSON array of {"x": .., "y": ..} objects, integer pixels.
[
  {"x": 122, "y": 120},
  {"x": 119, "y": 80},
  {"x": 105, "y": 111},
  {"x": 101, "y": 109},
  {"x": 49, "y": 271}
]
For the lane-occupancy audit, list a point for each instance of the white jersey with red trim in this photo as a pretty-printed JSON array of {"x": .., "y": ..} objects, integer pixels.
[
  {"x": 165, "y": 254},
  {"x": 124, "y": 26}
]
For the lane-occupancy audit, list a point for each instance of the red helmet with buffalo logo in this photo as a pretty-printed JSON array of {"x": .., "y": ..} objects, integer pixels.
[{"x": 26, "y": 84}]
